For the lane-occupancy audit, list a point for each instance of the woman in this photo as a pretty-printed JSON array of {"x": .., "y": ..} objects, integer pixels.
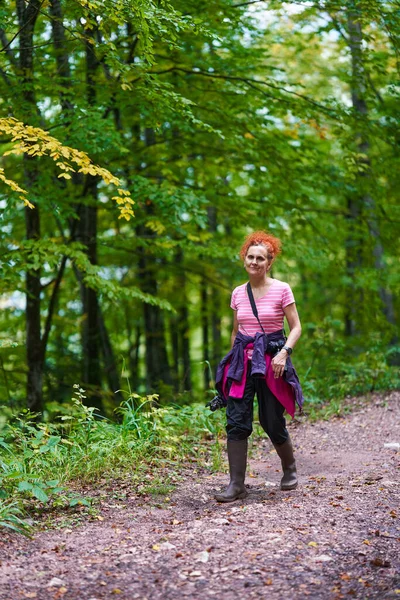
[{"x": 259, "y": 363}]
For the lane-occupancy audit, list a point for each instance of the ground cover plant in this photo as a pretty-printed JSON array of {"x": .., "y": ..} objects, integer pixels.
[{"x": 39, "y": 461}]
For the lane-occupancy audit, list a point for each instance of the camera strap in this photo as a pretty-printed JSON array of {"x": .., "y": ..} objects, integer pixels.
[{"x": 253, "y": 305}]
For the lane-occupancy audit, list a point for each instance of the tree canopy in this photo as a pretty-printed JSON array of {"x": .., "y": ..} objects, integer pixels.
[{"x": 210, "y": 120}]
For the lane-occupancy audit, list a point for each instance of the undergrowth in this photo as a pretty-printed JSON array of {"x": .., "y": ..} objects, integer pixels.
[
  {"x": 41, "y": 463},
  {"x": 336, "y": 372}
]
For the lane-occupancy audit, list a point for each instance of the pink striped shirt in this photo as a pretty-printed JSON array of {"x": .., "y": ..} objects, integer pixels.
[{"x": 270, "y": 307}]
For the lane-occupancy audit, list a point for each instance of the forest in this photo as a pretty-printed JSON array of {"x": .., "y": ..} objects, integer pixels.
[{"x": 140, "y": 142}]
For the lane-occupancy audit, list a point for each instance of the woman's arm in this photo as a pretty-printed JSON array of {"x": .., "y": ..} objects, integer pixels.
[
  {"x": 235, "y": 327},
  {"x": 293, "y": 319}
]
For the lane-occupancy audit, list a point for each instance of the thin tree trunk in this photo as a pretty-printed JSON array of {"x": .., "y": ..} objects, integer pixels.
[
  {"x": 156, "y": 356},
  {"x": 62, "y": 58},
  {"x": 184, "y": 331},
  {"x": 33, "y": 322},
  {"x": 110, "y": 364},
  {"x": 205, "y": 325},
  {"x": 215, "y": 302},
  {"x": 133, "y": 350},
  {"x": 157, "y": 365},
  {"x": 173, "y": 326},
  {"x": 183, "y": 326}
]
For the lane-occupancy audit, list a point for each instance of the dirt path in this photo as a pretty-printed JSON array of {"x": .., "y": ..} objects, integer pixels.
[{"x": 336, "y": 536}]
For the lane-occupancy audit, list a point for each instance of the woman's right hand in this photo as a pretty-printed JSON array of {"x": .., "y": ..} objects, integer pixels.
[{"x": 278, "y": 363}]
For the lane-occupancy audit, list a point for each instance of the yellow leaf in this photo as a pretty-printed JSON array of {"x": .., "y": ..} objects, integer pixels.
[
  {"x": 27, "y": 203},
  {"x": 156, "y": 548},
  {"x": 249, "y": 136},
  {"x": 64, "y": 175},
  {"x": 313, "y": 544}
]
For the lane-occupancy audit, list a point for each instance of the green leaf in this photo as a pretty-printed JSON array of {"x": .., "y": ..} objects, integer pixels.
[
  {"x": 79, "y": 501},
  {"x": 25, "y": 486},
  {"x": 39, "y": 493}
]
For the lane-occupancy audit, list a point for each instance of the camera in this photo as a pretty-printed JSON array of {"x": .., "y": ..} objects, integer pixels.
[{"x": 216, "y": 403}]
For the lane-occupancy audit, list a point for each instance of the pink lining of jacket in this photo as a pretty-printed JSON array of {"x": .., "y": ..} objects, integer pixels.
[{"x": 279, "y": 387}]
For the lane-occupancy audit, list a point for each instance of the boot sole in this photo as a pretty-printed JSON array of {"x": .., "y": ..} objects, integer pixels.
[
  {"x": 238, "y": 497},
  {"x": 287, "y": 488}
]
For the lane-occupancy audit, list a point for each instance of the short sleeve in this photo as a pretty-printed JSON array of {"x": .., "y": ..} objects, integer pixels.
[
  {"x": 287, "y": 296},
  {"x": 234, "y": 299}
]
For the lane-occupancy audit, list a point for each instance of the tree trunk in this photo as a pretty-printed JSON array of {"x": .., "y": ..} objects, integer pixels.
[
  {"x": 33, "y": 324},
  {"x": 27, "y": 16},
  {"x": 110, "y": 364},
  {"x": 184, "y": 334},
  {"x": 87, "y": 234},
  {"x": 156, "y": 357},
  {"x": 205, "y": 331},
  {"x": 62, "y": 59},
  {"x": 176, "y": 375},
  {"x": 157, "y": 366},
  {"x": 365, "y": 201},
  {"x": 215, "y": 302}
]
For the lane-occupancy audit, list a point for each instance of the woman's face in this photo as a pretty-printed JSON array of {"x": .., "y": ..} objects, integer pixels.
[{"x": 256, "y": 261}]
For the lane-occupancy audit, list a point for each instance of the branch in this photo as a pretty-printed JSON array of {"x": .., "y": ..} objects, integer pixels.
[
  {"x": 52, "y": 304},
  {"x": 247, "y": 3},
  {"x": 373, "y": 88},
  {"x": 339, "y": 28},
  {"x": 5, "y": 77},
  {"x": 248, "y": 81},
  {"x": 6, "y": 48}
]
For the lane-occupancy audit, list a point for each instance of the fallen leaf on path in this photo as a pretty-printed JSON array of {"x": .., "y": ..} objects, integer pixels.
[
  {"x": 55, "y": 582},
  {"x": 313, "y": 544},
  {"x": 166, "y": 546},
  {"x": 323, "y": 558},
  {"x": 202, "y": 556}
]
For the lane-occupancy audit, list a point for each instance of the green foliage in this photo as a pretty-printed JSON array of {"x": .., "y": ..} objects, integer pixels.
[
  {"x": 335, "y": 371},
  {"x": 217, "y": 119},
  {"x": 38, "y": 461}
]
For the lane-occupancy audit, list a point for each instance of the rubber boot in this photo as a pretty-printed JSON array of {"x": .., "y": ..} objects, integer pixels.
[
  {"x": 285, "y": 453},
  {"x": 237, "y": 457}
]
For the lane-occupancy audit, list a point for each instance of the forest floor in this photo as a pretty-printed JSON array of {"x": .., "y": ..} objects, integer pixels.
[{"x": 336, "y": 536}]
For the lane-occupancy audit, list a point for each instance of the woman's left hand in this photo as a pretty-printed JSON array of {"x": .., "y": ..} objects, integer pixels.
[{"x": 278, "y": 363}]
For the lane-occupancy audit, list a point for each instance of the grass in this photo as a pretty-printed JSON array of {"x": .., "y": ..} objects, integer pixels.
[{"x": 42, "y": 465}]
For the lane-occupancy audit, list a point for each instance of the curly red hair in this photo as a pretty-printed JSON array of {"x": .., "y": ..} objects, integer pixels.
[{"x": 261, "y": 238}]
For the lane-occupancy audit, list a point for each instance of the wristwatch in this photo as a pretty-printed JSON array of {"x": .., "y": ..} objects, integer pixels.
[{"x": 288, "y": 349}]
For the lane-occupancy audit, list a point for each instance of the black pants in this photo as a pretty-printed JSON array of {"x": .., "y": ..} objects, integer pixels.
[{"x": 239, "y": 412}]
